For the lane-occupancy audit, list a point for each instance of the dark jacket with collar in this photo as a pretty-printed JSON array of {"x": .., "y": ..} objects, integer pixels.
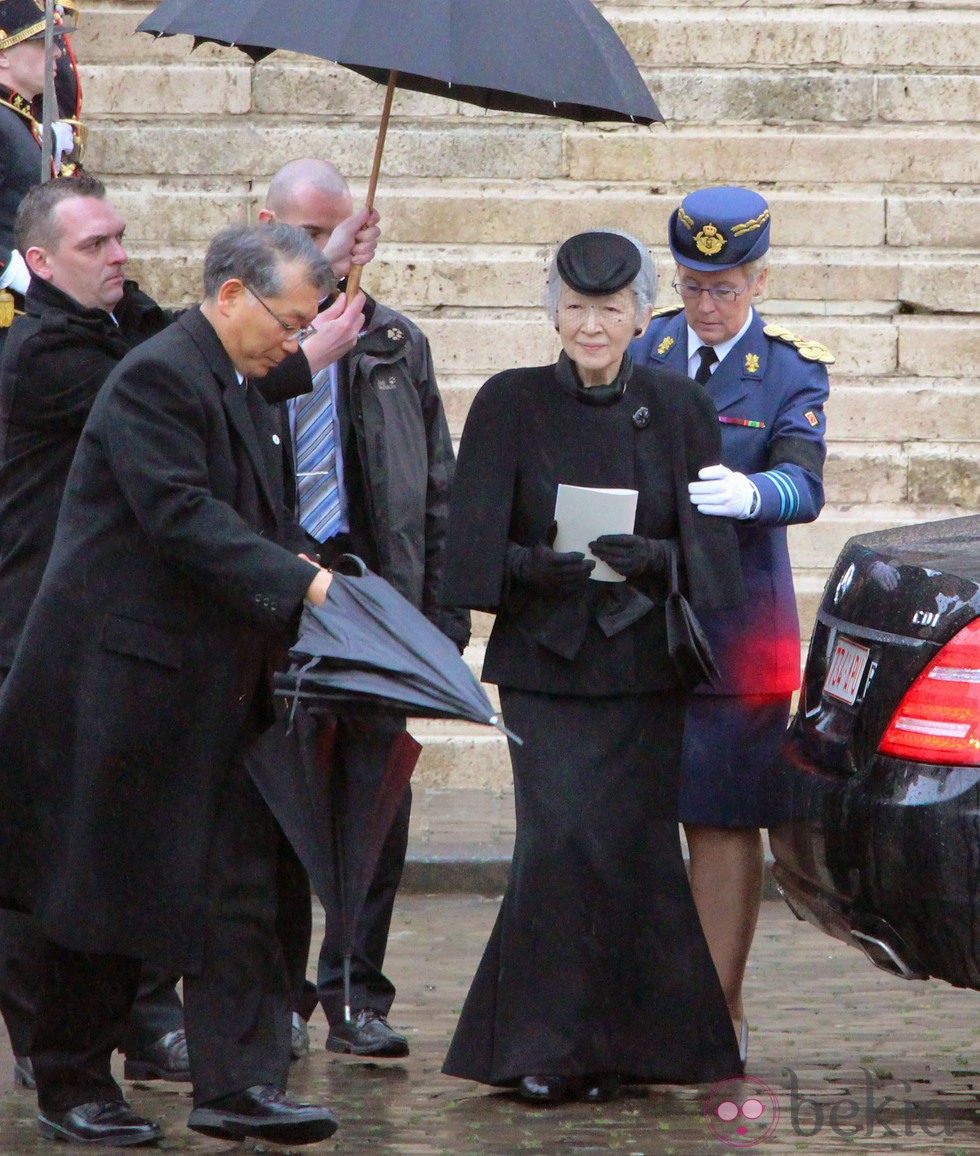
[
  {"x": 779, "y": 384},
  {"x": 148, "y": 653},
  {"x": 398, "y": 461},
  {"x": 55, "y": 361}
]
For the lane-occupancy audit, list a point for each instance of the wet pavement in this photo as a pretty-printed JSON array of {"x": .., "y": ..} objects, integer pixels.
[{"x": 842, "y": 1058}]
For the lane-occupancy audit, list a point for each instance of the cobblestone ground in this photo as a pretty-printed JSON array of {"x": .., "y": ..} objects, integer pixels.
[{"x": 852, "y": 1060}]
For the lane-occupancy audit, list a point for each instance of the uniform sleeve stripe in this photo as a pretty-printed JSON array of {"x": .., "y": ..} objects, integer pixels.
[{"x": 789, "y": 495}]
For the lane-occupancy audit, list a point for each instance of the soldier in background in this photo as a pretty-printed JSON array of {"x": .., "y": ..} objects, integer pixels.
[{"x": 22, "y": 77}]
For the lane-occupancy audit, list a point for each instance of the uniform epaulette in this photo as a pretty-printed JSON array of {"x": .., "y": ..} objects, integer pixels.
[
  {"x": 667, "y": 310},
  {"x": 808, "y": 350}
]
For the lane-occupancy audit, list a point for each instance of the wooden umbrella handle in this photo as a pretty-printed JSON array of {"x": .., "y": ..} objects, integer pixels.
[{"x": 354, "y": 277}]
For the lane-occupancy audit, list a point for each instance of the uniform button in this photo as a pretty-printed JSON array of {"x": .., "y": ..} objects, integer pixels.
[{"x": 275, "y": 439}]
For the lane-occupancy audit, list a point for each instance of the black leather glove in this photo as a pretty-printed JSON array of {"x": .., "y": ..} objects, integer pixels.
[
  {"x": 630, "y": 554},
  {"x": 545, "y": 569}
]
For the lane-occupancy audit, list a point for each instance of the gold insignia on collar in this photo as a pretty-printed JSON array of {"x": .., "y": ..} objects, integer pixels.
[
  {"x": 709, "y": 241},
  {"x": 665, "y": 345},
  {"x": 752, "y": 363},
  {"x": 395, "y": 334}
]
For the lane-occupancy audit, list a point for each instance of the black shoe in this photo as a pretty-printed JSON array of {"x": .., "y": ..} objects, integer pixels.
[
  {"x": 24, "y": 1072},
  {"x": 367, "y": 1034},
  {"x": 110, "y": 1123},
  {"x": 599, "y": 1089},
  {"x": 544, "y": 1089},
  {"x": 164, "y": 1059},
  {"x": 264, "y": 1113}
]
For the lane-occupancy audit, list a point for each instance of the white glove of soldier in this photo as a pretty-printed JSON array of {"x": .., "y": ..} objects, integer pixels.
[
  {"x": 16, "y": 275},
  {"x": 64, "y": 141},
  {"x": 724, "y": 492}
]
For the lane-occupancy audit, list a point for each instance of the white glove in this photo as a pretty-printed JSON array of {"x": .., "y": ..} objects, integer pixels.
[
  {"x": 64, "y": 141},
  {"x": 16, "y": 275},
  {"x": 724, "y": 492}
]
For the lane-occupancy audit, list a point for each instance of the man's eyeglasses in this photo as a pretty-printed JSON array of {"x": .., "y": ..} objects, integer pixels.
[
  {"x": 290, "y": 332},
  {"x": 691, "y": 292}
]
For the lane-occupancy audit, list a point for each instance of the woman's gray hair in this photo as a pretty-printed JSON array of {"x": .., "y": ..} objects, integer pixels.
[
  {"x": 756, "y": 268},
  {"x": 643, "y": 285},
  {"x": 254, "y": 255}
]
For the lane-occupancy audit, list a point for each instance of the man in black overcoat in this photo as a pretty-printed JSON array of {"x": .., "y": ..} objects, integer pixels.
[
  {"x": 81, "y": 317},
  {"x": 130, "y": 828}
]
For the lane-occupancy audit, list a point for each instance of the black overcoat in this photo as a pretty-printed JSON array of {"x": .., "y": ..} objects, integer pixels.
[
  {"x": 525, "y": 433},
  {"x": 148, "y": 653}
]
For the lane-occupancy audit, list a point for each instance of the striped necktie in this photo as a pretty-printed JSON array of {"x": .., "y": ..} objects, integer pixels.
[{"x": 317, "y": 487}]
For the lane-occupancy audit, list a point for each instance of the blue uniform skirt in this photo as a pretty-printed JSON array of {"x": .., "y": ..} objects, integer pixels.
[{"x": 729, "y": 761}]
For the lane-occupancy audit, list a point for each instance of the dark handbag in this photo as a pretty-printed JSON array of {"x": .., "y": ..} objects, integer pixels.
[{"x": 686, "y": 644}]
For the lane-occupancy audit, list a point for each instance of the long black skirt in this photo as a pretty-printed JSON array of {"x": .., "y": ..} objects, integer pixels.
[{"x": 597, "y": 962}]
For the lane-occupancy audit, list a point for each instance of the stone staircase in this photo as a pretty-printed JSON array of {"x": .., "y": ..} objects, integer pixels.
[{"x": 856, "y": 119}]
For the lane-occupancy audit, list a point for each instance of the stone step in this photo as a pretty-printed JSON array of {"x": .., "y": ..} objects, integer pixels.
[
  {"x": 863, "y": 37},
  {"x": 825, "y": 281},
  {"x": 305, "y": 86},
  {"x": 174, "y": 210},
  {"x": 536, "y": 149}
]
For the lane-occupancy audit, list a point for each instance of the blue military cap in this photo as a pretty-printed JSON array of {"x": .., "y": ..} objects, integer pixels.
[{"x": 719, "y": 228}]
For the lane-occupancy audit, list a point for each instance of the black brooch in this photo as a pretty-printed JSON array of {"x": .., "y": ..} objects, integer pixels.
[{"x": 641, "y": 419}]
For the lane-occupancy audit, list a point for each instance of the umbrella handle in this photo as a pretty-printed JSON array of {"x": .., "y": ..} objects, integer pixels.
[{"x": 354, "y": 277}]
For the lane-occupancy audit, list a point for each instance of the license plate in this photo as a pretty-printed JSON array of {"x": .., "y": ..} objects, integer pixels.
[{"x": 846, "y": 670}]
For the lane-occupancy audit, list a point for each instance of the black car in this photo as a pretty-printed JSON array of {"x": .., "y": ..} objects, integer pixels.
[{"x": 880, "y": 771}]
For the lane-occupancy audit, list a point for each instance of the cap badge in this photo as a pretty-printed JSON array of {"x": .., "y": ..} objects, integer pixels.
[
  {"x": 665, "y": 345},
  {"x": 752, "y": 363},
  {"x": 709, "y": 241}
]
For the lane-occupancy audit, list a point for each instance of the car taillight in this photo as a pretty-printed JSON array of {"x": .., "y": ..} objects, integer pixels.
[{"x": 938, "y": 720}]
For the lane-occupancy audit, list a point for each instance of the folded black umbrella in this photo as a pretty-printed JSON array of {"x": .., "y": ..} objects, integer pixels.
[{"x": 368, "y": 648}]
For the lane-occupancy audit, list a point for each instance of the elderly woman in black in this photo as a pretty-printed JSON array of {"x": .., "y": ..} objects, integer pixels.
[{"x": 597, "y": 971}]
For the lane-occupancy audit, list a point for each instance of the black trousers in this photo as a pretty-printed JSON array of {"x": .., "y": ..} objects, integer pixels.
[
  {"x": 155, "y": 1011},
  {"x": 236, "y": 1009}
]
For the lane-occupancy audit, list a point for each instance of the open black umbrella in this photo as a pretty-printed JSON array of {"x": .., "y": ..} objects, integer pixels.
[{"x": 548, "y": 57}]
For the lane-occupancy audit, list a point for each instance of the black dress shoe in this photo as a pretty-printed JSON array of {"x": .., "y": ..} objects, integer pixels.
[
  {"x": 599, "y": 1089},
  {"x": 367, "y": 1034},
  {"x": 263, "y": 1113},
  {"x": 24, "y": 1072},
  {"x": 110, "y": 1123},
  {"x": 164, "y": 1059},
  {"x": 544, "y": 1089}
]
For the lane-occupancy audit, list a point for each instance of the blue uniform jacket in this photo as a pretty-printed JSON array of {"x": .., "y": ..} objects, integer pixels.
[{"x": 766, "y": 380}]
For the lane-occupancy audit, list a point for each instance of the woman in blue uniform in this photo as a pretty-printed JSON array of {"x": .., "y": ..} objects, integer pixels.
[
  {"x": 769, "y": 389},
  {"x": 597, "y": 971}
]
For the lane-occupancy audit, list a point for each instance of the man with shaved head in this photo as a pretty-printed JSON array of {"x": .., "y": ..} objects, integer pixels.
[{"x": 374, "y": 462}]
